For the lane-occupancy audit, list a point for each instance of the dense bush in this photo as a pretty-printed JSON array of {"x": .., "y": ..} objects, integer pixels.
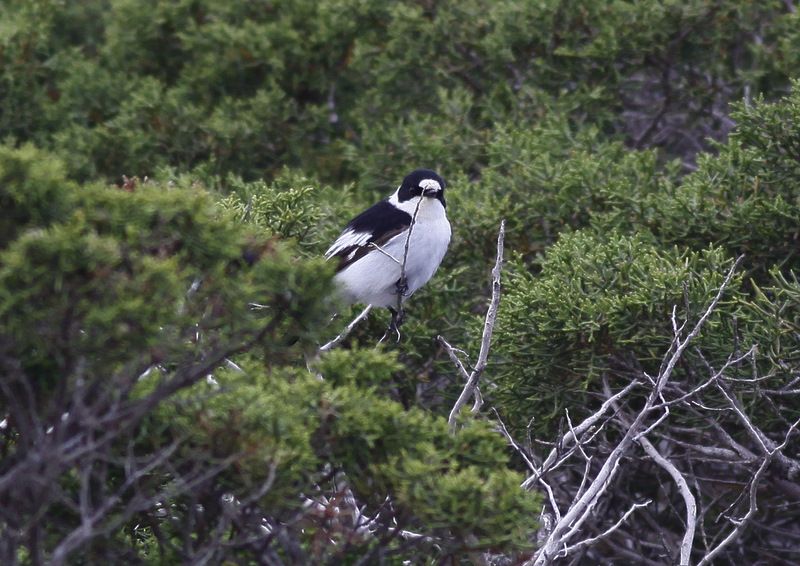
[
  {"x": 118, "y": 308},
  {"x": 171, "y": 173}
]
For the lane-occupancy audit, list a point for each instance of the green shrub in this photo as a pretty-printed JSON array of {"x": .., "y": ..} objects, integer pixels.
[{"x": 598, "y": 305}]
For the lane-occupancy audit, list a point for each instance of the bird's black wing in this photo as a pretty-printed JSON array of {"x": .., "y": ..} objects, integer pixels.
[{"x": 368, "y": 231}]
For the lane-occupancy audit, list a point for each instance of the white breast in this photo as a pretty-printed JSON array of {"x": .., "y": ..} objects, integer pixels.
[{"x": 373, "y": 278}]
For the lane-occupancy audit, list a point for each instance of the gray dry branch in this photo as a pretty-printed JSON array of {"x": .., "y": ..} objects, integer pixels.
[
  {"x": 591, "y": 474},
  {"x": 472, "y": 378},
  {"x": 330, "y": 345}
]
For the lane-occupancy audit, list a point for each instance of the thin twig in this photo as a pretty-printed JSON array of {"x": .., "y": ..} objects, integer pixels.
[
  {"x": 717, "y": 375},
  {"x": 402, "y": 284},
  {"x": 453, "y": 357},
  {"x": 525, "y": 456},
  {"x": 347, "y": 330},
  {"x": 570, "y": 436},
  {"x": 384, "y": 252},
  {"x": 741, "y": 523},
  {"x": 592, "y": 540},
  {"x": 401, "y": 287}
]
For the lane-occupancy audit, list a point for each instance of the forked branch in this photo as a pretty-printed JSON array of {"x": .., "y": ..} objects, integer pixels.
[{"x": 471, "y": 385}]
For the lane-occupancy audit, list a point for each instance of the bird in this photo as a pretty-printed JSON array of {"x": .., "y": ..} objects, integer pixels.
[{"x": 390, "y": 250}]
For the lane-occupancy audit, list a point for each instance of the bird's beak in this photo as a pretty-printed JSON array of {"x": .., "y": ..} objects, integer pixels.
[{"x": 429, "y": 192}]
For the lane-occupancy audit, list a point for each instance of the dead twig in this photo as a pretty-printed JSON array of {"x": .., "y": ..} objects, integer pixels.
[
  {"x": 347, "y": 330},
  {"x": 471, "y": 385},
  {"x": 691, "y": 505}
]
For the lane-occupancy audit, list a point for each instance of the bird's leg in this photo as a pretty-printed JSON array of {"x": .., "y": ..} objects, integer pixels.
[
  {"x": 398, "y": 316},
  {"x": 402, "y": 287}
]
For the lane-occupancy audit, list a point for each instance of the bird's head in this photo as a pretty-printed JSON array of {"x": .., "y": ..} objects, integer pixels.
[{"x": 422, "y": 183}]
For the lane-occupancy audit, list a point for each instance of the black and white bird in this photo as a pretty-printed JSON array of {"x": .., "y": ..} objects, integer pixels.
[{"x": 405, "y": 234}]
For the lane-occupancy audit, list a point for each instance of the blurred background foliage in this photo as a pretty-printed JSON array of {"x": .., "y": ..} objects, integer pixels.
[{"x": 634, "y": 149}]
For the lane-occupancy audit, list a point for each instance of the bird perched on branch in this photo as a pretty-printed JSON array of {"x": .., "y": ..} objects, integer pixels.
[{"x": 394, "y": 247}]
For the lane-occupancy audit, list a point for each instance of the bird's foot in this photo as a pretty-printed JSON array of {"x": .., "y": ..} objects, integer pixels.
[{"x": 398, "y": 317}]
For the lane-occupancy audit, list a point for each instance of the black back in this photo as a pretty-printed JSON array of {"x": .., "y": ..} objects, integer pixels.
[
  {"x": 380, "y": 217},
  {"x": 382, "y": 221}
]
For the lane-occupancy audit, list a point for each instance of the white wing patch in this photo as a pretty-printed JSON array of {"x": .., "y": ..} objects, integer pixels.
[{"x": 347, "y": 239}]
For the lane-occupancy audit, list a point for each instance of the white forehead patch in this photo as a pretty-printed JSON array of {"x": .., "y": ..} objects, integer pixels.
[{"x": 430, "y": 184}]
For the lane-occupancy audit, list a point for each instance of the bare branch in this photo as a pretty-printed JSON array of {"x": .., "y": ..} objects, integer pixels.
[
  {"x": 478, "y": 401},
  {"x": 686, "y": 493},
  {"x": 347, "y": 330},
  {"x": 453, "y": 354},
  {"x": 790, "y": 465},
  {"x": 402, "y": 282},
  {"x": 592, "y": 540},
  {"x": 665, "y": 374},
  {"x": 743, "y": 522},
  {"x": 384, "y": 252},
  {"x": 491, "y": 314},
  {"x": 575, "y": 516},
  {"x": 488, "y": 328},
  {"x": 731, "y": 361},
  {"x": 453, "y": 357},
  {"x": 502, "y": 428},
  {"x": 552, "y": 499},
  {"x": 580, "y": 429}
]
